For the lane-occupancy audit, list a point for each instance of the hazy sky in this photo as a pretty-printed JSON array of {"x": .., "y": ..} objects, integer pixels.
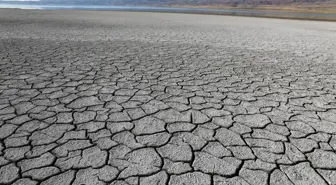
[{"x": 19, "y": 0}]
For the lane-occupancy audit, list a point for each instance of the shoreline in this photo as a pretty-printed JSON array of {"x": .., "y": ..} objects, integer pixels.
[
  {"x": 257, "y": 13},
  {"x": 238, "y": 14},
  {"x": 270, "y": 8}
]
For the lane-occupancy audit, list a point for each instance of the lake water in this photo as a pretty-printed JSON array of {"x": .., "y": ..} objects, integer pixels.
[{"x": 164, "y": 9}]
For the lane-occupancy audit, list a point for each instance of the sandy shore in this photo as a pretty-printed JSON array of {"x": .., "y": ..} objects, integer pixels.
[{"x": 158, "y": 98}]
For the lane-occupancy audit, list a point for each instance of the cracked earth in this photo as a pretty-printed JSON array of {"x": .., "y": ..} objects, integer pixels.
[{"x": 147, "y": 98}]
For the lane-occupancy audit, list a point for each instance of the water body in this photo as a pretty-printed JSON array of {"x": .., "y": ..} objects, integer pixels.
[{"x": 165, "y": 9}]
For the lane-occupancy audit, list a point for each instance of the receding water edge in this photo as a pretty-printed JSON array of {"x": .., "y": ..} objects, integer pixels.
[{"x": 242, "y": 12}]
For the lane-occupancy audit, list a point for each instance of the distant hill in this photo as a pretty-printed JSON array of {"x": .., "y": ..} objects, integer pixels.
[{"x": 196, "y": 2}]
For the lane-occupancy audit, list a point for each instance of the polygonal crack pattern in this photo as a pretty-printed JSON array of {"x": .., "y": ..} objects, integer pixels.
[{"x": 142, "y": 98}]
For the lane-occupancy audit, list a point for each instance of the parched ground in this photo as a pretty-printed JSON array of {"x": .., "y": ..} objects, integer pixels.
[{"x": 147, "y": 98}]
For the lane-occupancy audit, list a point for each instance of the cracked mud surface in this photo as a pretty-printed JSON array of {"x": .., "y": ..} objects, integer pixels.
[{"x": 145, "y": 98}]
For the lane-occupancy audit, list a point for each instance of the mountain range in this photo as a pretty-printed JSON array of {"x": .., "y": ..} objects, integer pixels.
[
  {"x": 326, "y": 6},
  {"x": 195, "y": 2}
]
